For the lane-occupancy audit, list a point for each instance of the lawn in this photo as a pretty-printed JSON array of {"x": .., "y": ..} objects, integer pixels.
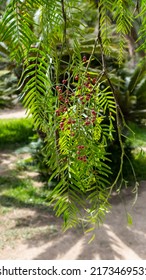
[
  {"x": 15, "y": 132},
  {"x": 17, "y": 185}
]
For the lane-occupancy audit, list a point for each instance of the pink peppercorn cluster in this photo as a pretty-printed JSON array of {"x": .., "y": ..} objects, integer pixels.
[
  {"x": 82, "y": 94},
  {"x": 80, "y": 152},
  {"x": 76, "y": 106},
  {"x": 66, "y": 123}
]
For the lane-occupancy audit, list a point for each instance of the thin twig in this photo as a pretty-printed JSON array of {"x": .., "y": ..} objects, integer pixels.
[
  {"x": 64, "y": 18},
  {"x": 93, "y": 50}
]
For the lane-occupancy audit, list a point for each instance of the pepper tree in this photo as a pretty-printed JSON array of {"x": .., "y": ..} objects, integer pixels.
[{"x": 70, "y": 52}]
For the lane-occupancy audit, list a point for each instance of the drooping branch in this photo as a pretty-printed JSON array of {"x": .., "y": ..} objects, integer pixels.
[{"x": 119, "y": 113}]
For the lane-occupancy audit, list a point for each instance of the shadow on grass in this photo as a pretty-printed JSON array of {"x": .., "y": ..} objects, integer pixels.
[
  {"x": 21, "y": 193},
  {"x": 9, "y": 201}
]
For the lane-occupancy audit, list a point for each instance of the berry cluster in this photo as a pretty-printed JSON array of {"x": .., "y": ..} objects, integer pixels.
[
  {"x": 67, "y": 124},
  {"x": 81, "y": 93},
  {"x": 80, "y": 151},
  {"x": 86, "y": 90},
  {"x": 82, "y": 158}
]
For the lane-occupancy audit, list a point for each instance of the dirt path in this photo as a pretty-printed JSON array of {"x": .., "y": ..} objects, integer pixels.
[
  {"x": 16, "y": 113},
  {"x": 32, "y": 233},
  {"x": 114, "y": 240}
]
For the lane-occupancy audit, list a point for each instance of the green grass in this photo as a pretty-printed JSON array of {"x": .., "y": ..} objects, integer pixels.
[
  {"x": 17, "y": 192},
  {"x": 14, "y": 191},
  {"x": 15, "y": 132}
]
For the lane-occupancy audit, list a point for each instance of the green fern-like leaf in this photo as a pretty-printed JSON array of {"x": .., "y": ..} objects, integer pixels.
[
  {"x": 124, "y": 18},
  {"x": 35, "y": 84},
  {"x": 142, "y": 30},
  {"x": 15, "y": 28},
  {"x": 105, "y": 8}
]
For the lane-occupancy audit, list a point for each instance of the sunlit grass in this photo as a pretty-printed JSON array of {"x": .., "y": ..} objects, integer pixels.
[
  {"x": 16, "y": 188},
  {"x": 17, "y": 192},
  {"x": 15, "y": 131}
]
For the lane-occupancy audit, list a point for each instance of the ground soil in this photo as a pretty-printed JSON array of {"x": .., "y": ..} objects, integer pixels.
[{"x": 32, "y": 233}]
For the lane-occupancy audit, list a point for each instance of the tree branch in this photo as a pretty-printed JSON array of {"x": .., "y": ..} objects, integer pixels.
[{"x": 64, "y": 18}]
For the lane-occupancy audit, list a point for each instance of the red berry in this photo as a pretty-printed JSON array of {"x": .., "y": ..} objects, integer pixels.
[
  {"x": 64, "y": 109},
  {"x": 94, "y": 81},
  {"x": 82, "y": 97},
  {"x": 62, "y": 124},
  {"x": 84, "y": 158},
  {"x": 86, "y": 84},
  {"x": 64, "y": 82},
  {"x": 93, "y": 112},
  {"x": 93, "y": 120},
  {"x": 66, "y": 101},
  {"x": 81, "y": 147},
  {"x": 69, "y": 121},
  {"x": 57, "y": 87},
  {"x": 88, "y": 97},
  {"x": 60, "y": 90},
  {"x": 76, "y": 78},
  {"x": 84, "y": 58},
  {"x": 61, "y": 98},
  {"x": 87, "y": 122},
  {"x": 58, "y": 112}
]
